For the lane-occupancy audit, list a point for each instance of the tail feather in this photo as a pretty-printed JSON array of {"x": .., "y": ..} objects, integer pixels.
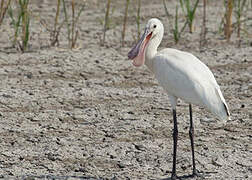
[
  {"x": 224, "y": 112},
  {"x": 226, "y": 108}
]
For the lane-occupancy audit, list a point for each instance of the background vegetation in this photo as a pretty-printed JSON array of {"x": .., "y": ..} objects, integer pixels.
[{"x": 67, "y": 12}]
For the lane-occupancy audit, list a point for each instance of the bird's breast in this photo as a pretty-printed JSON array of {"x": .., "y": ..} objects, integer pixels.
[{"x": 177, "y": 83}]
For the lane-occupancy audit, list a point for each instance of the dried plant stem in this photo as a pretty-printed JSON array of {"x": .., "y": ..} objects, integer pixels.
[
  {"x": 15, "y": 23},
  {"x": 228, "y": 17},
  {"x": 138, "y": 19},
  {"x": 67, "y": 22},
  {"x": 25, "y": 24},
  {"x": 79, "y": 13},
  {"x": 73, "y": 23},
  {"x": 106, "y": 21},
  {"x": 72, "y": 33},
  {"x": 203, "y": 30},
  {"x": 55, "y": 33},
  {"x": 21, "y": 21},
  {"x": 239, "y": 14},
  {"x": 125, "y": 21},
  {"x": 3, "y": 10},
  {"x": 2, "y": 6},
  {"x": 239, "y": 7},
  {"x": 75, "y": 33},
  {"x": 239, "y": 20},
  {"x": 57, "y": 16}
]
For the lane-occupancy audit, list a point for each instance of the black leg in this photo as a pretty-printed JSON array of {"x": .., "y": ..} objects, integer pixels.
[
  {"x": 191, "y": 134},
  {"x": 175, "y": 138}
]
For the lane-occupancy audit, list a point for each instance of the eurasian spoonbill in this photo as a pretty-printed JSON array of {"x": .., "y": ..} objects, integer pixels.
[{"x": 183, "y": 76}]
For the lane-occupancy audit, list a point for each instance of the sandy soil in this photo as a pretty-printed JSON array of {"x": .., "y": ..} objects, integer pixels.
[{"x": 89, "y": 114}]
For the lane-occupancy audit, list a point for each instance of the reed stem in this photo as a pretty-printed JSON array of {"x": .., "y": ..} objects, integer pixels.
[
  {"x": 125, "y": 21},
  {"x": 228, "y": 16},
  {"x": 106, "y": 21}
]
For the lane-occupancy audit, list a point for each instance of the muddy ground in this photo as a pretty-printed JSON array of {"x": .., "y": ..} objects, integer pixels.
[{"x": 88, "y": 113}]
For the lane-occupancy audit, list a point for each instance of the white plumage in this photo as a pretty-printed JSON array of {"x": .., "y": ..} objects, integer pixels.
[
  {"x": 183, "y": 76},
  {"x": 180, "y": 73}
]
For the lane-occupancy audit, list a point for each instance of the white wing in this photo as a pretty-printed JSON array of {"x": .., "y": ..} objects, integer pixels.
[{"x": 184, "y": 76}]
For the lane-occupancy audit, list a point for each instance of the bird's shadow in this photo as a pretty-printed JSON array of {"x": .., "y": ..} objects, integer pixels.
[{"x": 189, "y": 176}]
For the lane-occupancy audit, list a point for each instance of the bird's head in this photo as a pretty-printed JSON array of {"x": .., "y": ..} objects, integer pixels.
[{"x": 153, "y": 32}]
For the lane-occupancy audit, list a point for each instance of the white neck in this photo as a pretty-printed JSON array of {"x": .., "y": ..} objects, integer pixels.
[{"x": 151, "y": 50}]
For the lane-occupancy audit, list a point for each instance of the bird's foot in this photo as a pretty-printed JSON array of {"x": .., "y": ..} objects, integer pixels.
[{"x": 174, "y": 176}]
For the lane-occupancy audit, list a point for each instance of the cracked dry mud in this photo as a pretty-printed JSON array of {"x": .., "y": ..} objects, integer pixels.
[{"x": 89, "y": 114}]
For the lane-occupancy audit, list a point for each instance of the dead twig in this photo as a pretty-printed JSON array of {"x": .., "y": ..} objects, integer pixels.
[
  {"x": 55, "y": 32},
  {"x": 73, "y": 23},
  {"x": 125, "y": 21},
  {"x": 3, "y": 9},
  {"x": 228, "y": 18},
  {"x": 138, "y": 19},
  {"x": 106, "y": 21},
  {"x": 66, "y": 20},
  {"x": 203, "y": 29}
]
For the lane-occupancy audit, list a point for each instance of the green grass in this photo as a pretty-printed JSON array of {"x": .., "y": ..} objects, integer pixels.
[
  {"x": 72, "y": 32},
  {"x": 176, "y": 31},
  {"x": 189, "y": 11},
  {"x": 20, "y": 20}
]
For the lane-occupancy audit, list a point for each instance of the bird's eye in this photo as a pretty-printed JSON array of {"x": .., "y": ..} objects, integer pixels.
[{"x": 154, "y": 26}]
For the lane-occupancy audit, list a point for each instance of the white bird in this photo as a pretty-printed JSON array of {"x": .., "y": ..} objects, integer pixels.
[{"x": 183, "y": 76}]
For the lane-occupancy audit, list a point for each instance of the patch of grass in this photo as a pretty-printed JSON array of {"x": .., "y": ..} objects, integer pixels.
[
  {"x": 72, "y": 32},
  {"x": 21, "y": 20},
  {"x": 189, "y": 11},
  {"x": 239, "y": 6},
  {"x": 176, "y": 31}
]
